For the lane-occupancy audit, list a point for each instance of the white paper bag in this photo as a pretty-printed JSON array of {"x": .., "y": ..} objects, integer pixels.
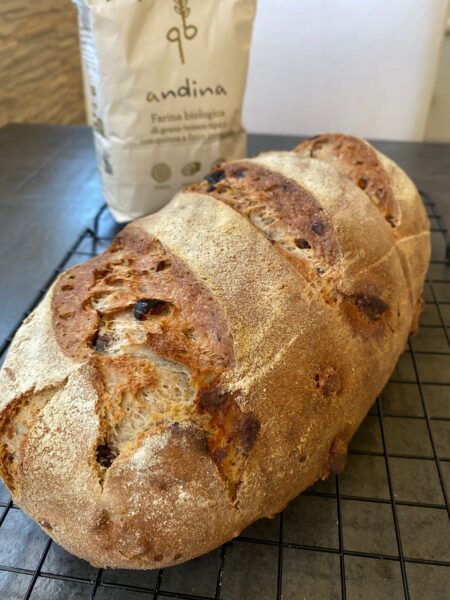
[{"x": 167, "y": 80}]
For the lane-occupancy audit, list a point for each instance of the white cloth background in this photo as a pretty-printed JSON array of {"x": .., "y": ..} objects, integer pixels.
[{"x": 359, "y": 66}]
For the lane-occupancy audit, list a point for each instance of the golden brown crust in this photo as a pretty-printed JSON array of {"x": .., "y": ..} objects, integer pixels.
[
  {"x": 393, "y": 194},
  {"x": 217, "y": 358},
  {"x": 132, "y": 269},
  {"x": 289, "y": 213},
  {"x": 299, "y": 226},
  {"x": 358, "y": 161}
]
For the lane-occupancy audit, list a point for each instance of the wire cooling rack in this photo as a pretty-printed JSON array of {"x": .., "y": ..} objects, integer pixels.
[{"x": 378, "y": 530}]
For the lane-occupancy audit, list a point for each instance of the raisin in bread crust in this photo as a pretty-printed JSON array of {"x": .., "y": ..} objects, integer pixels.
[{"x": 215, "y": 361}]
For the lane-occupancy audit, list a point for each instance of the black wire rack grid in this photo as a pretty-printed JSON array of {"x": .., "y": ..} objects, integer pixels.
[{"x": 380, "y": 529}]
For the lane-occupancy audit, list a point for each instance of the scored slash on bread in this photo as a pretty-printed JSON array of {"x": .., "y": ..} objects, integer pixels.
[{"x": 217, "y": 358}]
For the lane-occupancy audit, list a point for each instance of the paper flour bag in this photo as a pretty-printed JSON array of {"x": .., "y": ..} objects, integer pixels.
[{"x": 167, "y": 80}]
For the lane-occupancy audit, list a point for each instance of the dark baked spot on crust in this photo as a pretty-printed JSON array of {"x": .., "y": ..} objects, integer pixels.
[
  {"x": 231, "y": 433},
  {"x": 391, "y": 221},
  {"x": 302, "y": 243},
  {"x": 162, "y": 265},
  {"x": 194, "y": 433},
  {"x": 215, "y": 176},
  {"x": 150, "y": 306},
  {"x": 100, "y": 342},
  {"x": 248, "y": 431},
  {"x": 319, "y": 227},
  {"x": 10, "y": 373},
  {"x": 362, "y": 182},
  {"x": 371, "y": 306},
  {"x": 328, "y": 382},
  {"x": 337, "y": 456},
  {"x": 357, "y": 161},
  {"x": 103, "y": 521},
  {"x": 105, "y": 455},
  {"x": 368, "y": 314},
  {"x": 331, "y": 384}
]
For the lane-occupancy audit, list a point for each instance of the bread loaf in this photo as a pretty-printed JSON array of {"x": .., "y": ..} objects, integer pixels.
[{"x": 217, "y": 358}]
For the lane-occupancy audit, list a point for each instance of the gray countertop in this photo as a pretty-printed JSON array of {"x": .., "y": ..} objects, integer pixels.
[{"x": 378, "y": 530}]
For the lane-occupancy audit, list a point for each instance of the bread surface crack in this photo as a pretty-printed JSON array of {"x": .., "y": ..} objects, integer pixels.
[{"x": 157, "y": 340}]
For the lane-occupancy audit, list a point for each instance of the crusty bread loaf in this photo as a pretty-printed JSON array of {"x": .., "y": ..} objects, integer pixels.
[{"x": 216, "y": 360}]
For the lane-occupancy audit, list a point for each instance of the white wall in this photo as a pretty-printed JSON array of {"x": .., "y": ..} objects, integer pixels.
[
  {"x": 361, "y": 66},
  {"x": 438, "y": 122}
]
